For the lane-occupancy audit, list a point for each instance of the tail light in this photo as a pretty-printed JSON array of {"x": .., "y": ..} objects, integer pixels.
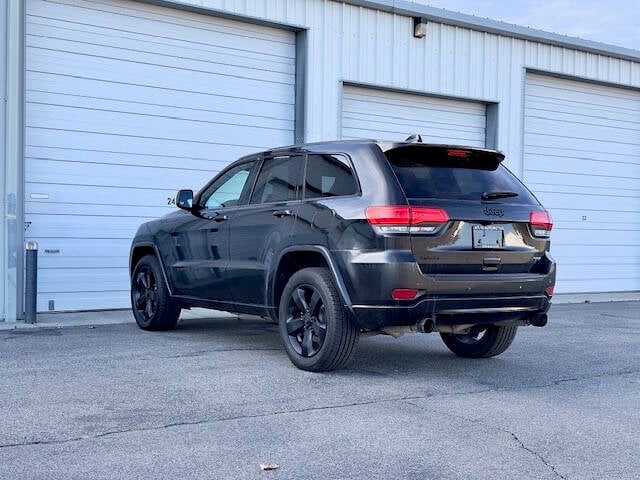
[
  {"x": 541, "y": 223},
  {"x": 549, "y": 291},
  {"x": 406, "y": 219}
]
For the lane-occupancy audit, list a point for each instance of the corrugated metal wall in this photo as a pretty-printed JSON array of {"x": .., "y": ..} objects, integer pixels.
[
  {"x": 372, "y": 113},
  {"x": 125, "y": 103},
  {"x": 356, "y": 44}
]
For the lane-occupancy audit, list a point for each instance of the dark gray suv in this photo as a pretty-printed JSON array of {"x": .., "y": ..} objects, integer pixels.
[{"x": 335, "y": 239}]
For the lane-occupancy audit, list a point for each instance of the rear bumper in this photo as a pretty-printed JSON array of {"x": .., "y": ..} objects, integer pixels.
[
  {"x": 446, "y": 299},
  {"x": 452, "y": 311}
]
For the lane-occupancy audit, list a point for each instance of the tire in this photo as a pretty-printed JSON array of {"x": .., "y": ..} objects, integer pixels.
[
  {"x": 494, "y": 341},
  {"x": 153, "y": 307},
  {"x": 323, "y": 336}
]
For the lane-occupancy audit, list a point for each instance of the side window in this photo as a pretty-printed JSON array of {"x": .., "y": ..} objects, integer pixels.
[
  {"x": 329, "y": 176},
  {"x": 280, "y": 180},
  {"x": 226, "y": 190}
]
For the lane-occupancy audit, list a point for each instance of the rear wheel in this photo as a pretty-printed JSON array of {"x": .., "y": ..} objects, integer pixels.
[
  {"x": 317, "y": 333},
  {"x": 480, "y": 342},
  {"x": 151, "y": 303}
]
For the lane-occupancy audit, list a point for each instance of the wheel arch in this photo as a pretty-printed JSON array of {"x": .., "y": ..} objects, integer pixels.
[
  {"x": 296, "y": 258},
  {"x": 139, "y": 250}
]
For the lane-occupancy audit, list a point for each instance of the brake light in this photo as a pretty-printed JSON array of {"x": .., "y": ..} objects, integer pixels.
[
  {"x": 404, "y": 293},
  {"x": 549, "y": 291},
  {"x": 406, "y": 219},
  {"x": 541, "y": 223},
  {"x": 452, "y": 152}
]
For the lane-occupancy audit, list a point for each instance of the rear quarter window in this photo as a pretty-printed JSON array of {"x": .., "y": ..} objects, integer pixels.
[
  {"x": 328, "y": 176},
  {"x": 427, "y": 173}
]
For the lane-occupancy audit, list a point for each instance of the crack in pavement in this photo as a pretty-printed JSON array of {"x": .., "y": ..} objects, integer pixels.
[
  {"x": 202, "y": 353},
  {"x": 209, "y": 420},
  {"x": 406, "y": 399},
  {"x": 542, "y": 459},
  {"x": 515, "y": 437},
  {"x": 589, "y": 377}
]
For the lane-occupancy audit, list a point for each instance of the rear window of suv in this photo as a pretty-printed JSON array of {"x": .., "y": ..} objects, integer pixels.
[{"x": 430, "y": 172}]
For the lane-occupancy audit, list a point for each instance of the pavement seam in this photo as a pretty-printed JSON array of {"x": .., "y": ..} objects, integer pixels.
[
  {"x": 203, "y": 353},
  {"x": 405, "y": 399}
]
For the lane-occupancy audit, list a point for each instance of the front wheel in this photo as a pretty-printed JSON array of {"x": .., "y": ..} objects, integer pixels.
[
  {"x": 480, "y": 342},
  {"x": 153, "y": 307},
  {"x": 317, "y": 333}
]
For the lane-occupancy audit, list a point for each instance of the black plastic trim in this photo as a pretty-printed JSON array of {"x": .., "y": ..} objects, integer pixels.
[
  {"x": 157, "y": 252},
  {"x": 324, "y": 251}
]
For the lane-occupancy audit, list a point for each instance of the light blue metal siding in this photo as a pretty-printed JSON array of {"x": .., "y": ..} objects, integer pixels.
[
  {"x": 582, "y": 158},
  {"x": 373, "y": 113},
  {"x": 361, "y": 45},
  {"x": 126, "y": 103}
]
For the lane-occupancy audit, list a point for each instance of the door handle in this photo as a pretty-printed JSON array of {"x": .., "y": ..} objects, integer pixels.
[
  {"x": 217, "y": 217},
  {"x": 282, "y": 213}
]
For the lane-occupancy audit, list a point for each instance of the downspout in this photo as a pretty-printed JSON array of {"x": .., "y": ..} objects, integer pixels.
[{"x": 13, "y": 165}]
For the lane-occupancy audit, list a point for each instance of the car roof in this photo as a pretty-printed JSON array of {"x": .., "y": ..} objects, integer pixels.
[
  {"x": 347, "y": 146},
  {"x": 384, "y": 145}
]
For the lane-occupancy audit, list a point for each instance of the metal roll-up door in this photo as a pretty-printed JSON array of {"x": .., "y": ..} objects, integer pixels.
[
  {"x": 125, "y": 103},
  {"x": 582, "y": 159},
  {"x": 387, "y": 115}
]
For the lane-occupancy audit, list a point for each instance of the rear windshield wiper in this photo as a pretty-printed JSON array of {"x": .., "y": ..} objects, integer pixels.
[{"x": 493, "y": 195}]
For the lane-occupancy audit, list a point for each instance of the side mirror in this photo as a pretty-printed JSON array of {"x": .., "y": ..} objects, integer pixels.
[{"x": 184, "y": 199}]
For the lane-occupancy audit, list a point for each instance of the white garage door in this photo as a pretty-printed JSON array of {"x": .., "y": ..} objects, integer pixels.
[
  {"x": 582, "y": 159},
  {"x": 380, "y": 114},
  {"x": 125, "y": 103}
]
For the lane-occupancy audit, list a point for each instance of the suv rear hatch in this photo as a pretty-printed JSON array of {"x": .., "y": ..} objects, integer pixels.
[{"x": 469, "y": 213}]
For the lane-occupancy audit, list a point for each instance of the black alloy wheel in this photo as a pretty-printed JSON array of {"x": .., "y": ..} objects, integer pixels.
[
  {"x": 317, "y": 332},
  {"x": 481, "y": 341},
  {"x": 306, "y": 321},
  {"x": 145, "y": 293},
  {"x": 153, "y": 307}
]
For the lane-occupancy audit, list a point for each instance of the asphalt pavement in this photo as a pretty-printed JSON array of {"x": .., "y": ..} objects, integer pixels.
[{"x": 217, "y": 397}]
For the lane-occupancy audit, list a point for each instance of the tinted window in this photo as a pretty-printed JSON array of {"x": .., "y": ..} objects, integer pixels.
[
  {"x": 428, "y": 174},
  {"x": 279, "y": 180},
  {"x": 226, "y": 190},
  {"x": 329, "y": 176}
]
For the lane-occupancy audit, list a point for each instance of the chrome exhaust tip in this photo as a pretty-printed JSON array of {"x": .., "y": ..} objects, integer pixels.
[{"x": 426, "y": 325}]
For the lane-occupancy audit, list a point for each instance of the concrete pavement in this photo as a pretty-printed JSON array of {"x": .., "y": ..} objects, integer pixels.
[{"x": 216, "y": 398}]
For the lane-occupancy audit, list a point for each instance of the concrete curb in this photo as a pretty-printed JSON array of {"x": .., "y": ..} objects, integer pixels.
[
  {"x": 562, "y": 298},
  {"x": 102, "y": 317}
]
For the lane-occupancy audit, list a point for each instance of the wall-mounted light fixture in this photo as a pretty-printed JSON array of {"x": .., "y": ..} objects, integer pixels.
[{"x": 419, "y": 27}]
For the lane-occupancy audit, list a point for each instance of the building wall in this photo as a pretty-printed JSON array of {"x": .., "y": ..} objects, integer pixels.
[{"x": 356, "y": 44}]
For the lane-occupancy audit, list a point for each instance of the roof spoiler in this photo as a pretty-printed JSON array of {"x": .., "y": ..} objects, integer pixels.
[{"x": 446, "y": 155}]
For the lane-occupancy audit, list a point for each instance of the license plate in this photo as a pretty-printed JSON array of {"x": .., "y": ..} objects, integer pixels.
[{"x": 490, "y": 236}]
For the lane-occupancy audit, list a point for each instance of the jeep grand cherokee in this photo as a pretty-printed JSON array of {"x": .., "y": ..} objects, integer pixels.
[{"x": 336, "y": 239}]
